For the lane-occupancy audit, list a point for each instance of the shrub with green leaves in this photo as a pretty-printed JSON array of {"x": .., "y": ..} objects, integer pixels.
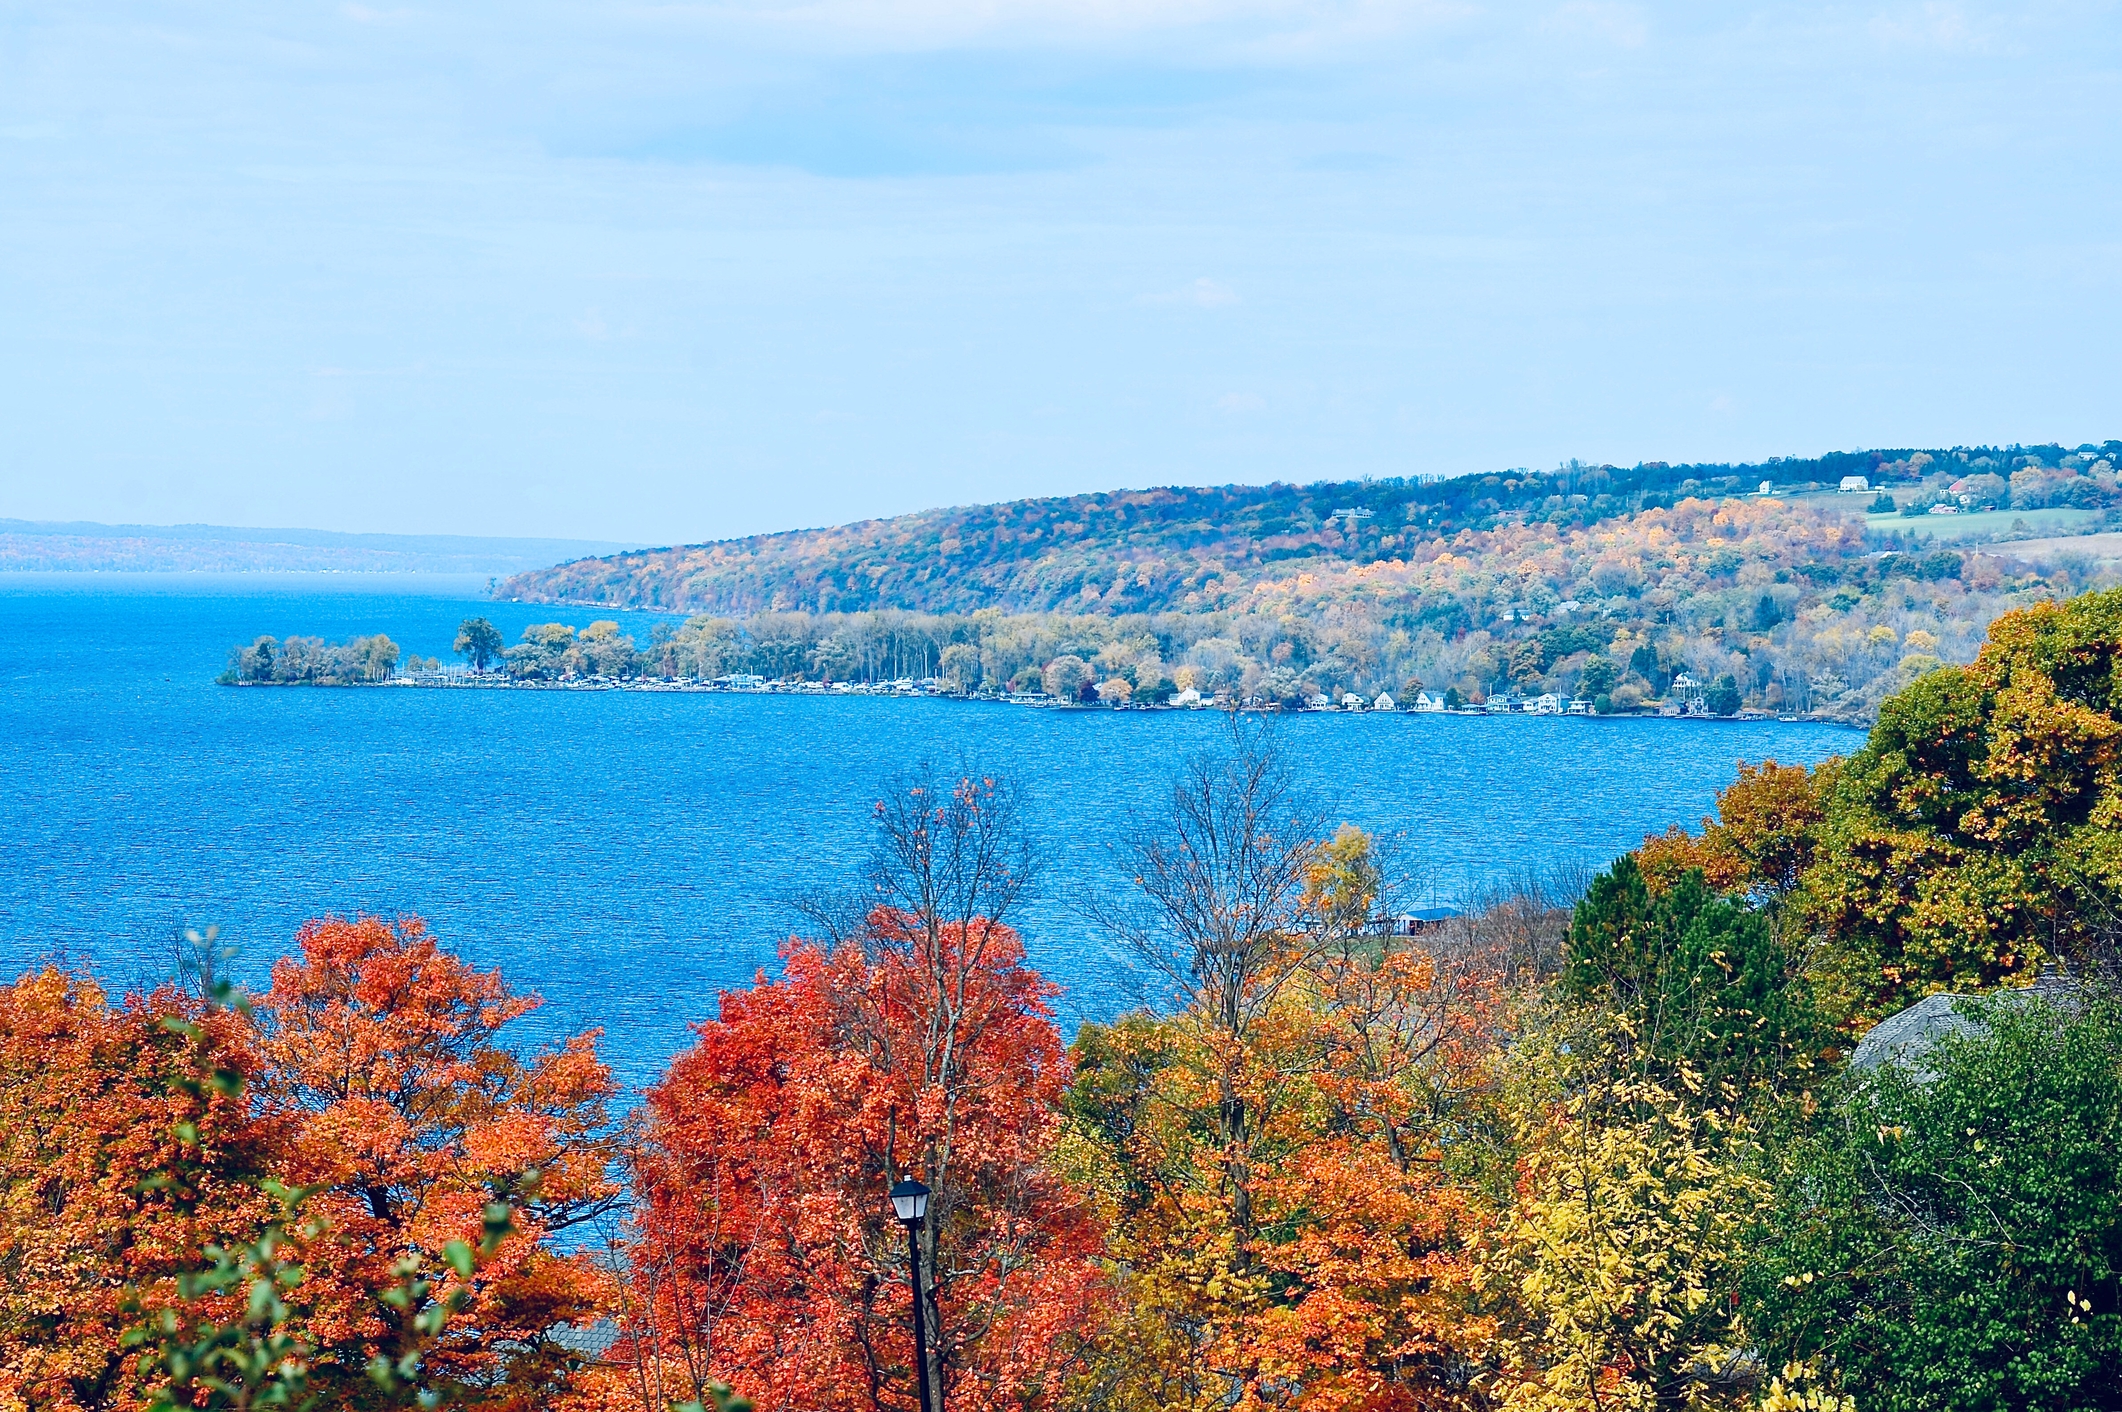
[{"x": 1949, "y": 1237}]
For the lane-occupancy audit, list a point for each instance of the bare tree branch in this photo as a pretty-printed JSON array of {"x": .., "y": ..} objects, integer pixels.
[{"x": 1217, "y": 908}]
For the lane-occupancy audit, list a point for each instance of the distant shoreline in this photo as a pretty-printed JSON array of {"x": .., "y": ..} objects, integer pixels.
[{"x": 464, "y": 681}]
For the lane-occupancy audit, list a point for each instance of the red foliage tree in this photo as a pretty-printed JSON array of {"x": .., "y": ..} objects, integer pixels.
[{"x": 769, "y": 1254}]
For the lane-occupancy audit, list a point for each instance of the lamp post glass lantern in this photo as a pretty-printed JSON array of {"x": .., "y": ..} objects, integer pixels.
[{"x": 910, "y": 1202}]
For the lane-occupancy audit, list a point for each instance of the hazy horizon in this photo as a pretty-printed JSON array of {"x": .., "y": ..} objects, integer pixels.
[{"x": 669, "y": 274}]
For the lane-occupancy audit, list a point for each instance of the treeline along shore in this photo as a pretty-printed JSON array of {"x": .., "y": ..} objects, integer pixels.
[
  {"x": 600, "y": 658},
  {"x": 1812, "y": 1108}
]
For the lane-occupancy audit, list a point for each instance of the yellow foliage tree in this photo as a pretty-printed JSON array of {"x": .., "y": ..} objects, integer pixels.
[
  {"x": 1974, "y": 836},
  {"x": 1615, "y": 1273}
]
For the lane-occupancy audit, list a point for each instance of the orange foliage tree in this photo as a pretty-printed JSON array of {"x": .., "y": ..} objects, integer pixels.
[
  {"x": 381, "y": 1053},
  {"x": 1762, "y": 838},
  {"x": 1354, "y": 1287},
  {"x": 1293, "y": 1203},
  {"x": 126, "y": 1145}
]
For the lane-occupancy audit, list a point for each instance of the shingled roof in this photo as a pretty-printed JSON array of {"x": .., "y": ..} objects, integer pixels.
[{"x": 1906, "y": 1036}]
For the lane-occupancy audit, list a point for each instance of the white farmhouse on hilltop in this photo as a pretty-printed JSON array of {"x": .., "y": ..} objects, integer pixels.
[{"x": 1853, "y": 484}]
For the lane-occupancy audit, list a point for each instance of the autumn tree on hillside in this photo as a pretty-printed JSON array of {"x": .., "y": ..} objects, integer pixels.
[
  {"x": 913, "y": 1043},
  {"x": 1761, "y": 841},
  {"x": 1973, "y": 837},
  {"x": 1285, "y": 1163},
  {"x": 1969, "y": 842},
  {"x": 382, "y": 1051},
  {"x": 127, "y": 1143},
  {"x": 1639, "y": 1088},
  {"x": 1220, "y": 912},
  {"x": 1615, "y": 1275}
]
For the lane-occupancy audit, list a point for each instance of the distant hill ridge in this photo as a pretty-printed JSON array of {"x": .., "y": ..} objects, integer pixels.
[
  {"x": 1173, "y": 548},
  {"x": 85, "y": 546}
]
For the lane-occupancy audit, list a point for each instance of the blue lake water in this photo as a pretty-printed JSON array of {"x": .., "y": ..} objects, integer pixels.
[{"x": 628, "y": 854}]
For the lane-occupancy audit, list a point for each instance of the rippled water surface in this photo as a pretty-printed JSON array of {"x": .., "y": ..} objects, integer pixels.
[{"x": 628, "y": 854}]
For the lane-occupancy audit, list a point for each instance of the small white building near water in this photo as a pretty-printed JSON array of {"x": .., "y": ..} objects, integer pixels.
[
  {"x": 1425, "y": 702},
  {"x": 1545, "y": 704},
  {"x": 1385, "y": 702},
  {"x": 1351, "y": 702},
  {"x": 1187, "y": 697}
]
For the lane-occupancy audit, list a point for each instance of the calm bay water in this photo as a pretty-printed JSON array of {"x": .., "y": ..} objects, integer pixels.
[{"x": 627, "y": 854}]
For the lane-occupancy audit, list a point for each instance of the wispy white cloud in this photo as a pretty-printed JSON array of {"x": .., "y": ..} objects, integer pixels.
[
  {"x": 1603, "y": 20},
  {"x": 596, "y": 328},
  {"x": 1233, "y": 26},
  {"x": 1933, "y": 25},
  {"x": 1203, "y": 293},
  {"x": 369, "y": 15}
]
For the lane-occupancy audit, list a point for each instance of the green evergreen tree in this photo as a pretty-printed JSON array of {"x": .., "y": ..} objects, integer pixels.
[{"x": 1703, "y": 979}]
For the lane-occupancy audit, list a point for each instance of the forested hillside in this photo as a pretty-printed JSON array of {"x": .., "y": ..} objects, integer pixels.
[
  {"x": 1595, "y": 581},
  {"x": 1193, "y": 549}
]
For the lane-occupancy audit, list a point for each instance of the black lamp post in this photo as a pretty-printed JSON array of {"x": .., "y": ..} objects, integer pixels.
[{"x": 910, "y": 1200}]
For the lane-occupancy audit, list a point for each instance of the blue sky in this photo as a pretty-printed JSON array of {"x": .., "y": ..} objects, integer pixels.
[{"x": 671, "y": 271}]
